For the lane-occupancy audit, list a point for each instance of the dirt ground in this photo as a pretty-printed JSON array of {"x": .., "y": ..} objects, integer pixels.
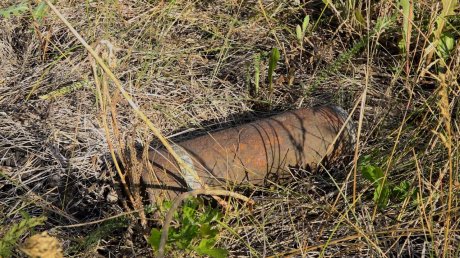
[{"x": 198, "y": 66}]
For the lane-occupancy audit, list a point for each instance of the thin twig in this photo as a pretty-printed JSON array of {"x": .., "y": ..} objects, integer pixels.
[{"x": 180, "y": 199}]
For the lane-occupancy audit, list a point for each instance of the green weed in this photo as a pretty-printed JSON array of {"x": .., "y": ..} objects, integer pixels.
[
  {"x": 301, "y": 30},
  {"x": 257, "y": 58},
  {"x": 442, "y": 41},
  {"x": 384, "y": 189},
  {"x": 274, "y": 57},
  {"x": 12, "y": 236},
  {"x": 407, "y": 17},
  {"x": 14, "y": 10},
  {"x": 38, "y": 13},
  {"x": 198, "y": 231}
]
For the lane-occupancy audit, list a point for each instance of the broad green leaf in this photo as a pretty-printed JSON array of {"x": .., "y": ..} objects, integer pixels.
[
  {"x": 298, "y": 33},
  {"x": 206, "y": 231},
  {"x": 448, "y": 7},
  {"x": 154, "y": 238},
  {"x": 189, "y": 213},
  {"x": 274, "y": 57},
  {"x": 402, "y": 190},
  {"x": 402, "y": 45},
  {"x": 372, "y": 173},
  {"x": 185, "y": 236},
  {"x": 407, "y": 14},
  {"x": 359, "y": 17},
  {"x": 405, "y": 4},
  {"x": 375, "y": 175},
  {"x": 256, "y": 73},
  {"x": 403, "y": 187},
  {"x": 446, "y": 45},
  {"x": 368, "y": 172},
  {"x": 167, "y": 205},
  {"x": 382, "y": 195},
  {"x": 210, "y": 215},
  {"x": 364, "y": 160},
  {"x": 305, "y": 23},
  {"x": 206, "y": 248}
]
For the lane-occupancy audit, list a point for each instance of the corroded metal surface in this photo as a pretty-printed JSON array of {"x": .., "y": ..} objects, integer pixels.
[{"x": 251, "y": 153}]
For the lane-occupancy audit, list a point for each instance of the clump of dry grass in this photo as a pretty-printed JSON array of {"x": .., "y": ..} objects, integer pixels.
[{"x": 189, "y": 66}]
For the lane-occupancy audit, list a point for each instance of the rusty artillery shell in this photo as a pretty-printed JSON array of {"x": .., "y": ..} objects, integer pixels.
[{"x": 251, "y": 153}]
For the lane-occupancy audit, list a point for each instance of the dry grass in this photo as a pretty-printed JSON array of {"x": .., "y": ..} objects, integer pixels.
[{"x": 189, "y": 67}]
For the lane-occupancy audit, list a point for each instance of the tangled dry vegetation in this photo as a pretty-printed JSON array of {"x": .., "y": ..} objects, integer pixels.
[{"x": 191, "y": 66}]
